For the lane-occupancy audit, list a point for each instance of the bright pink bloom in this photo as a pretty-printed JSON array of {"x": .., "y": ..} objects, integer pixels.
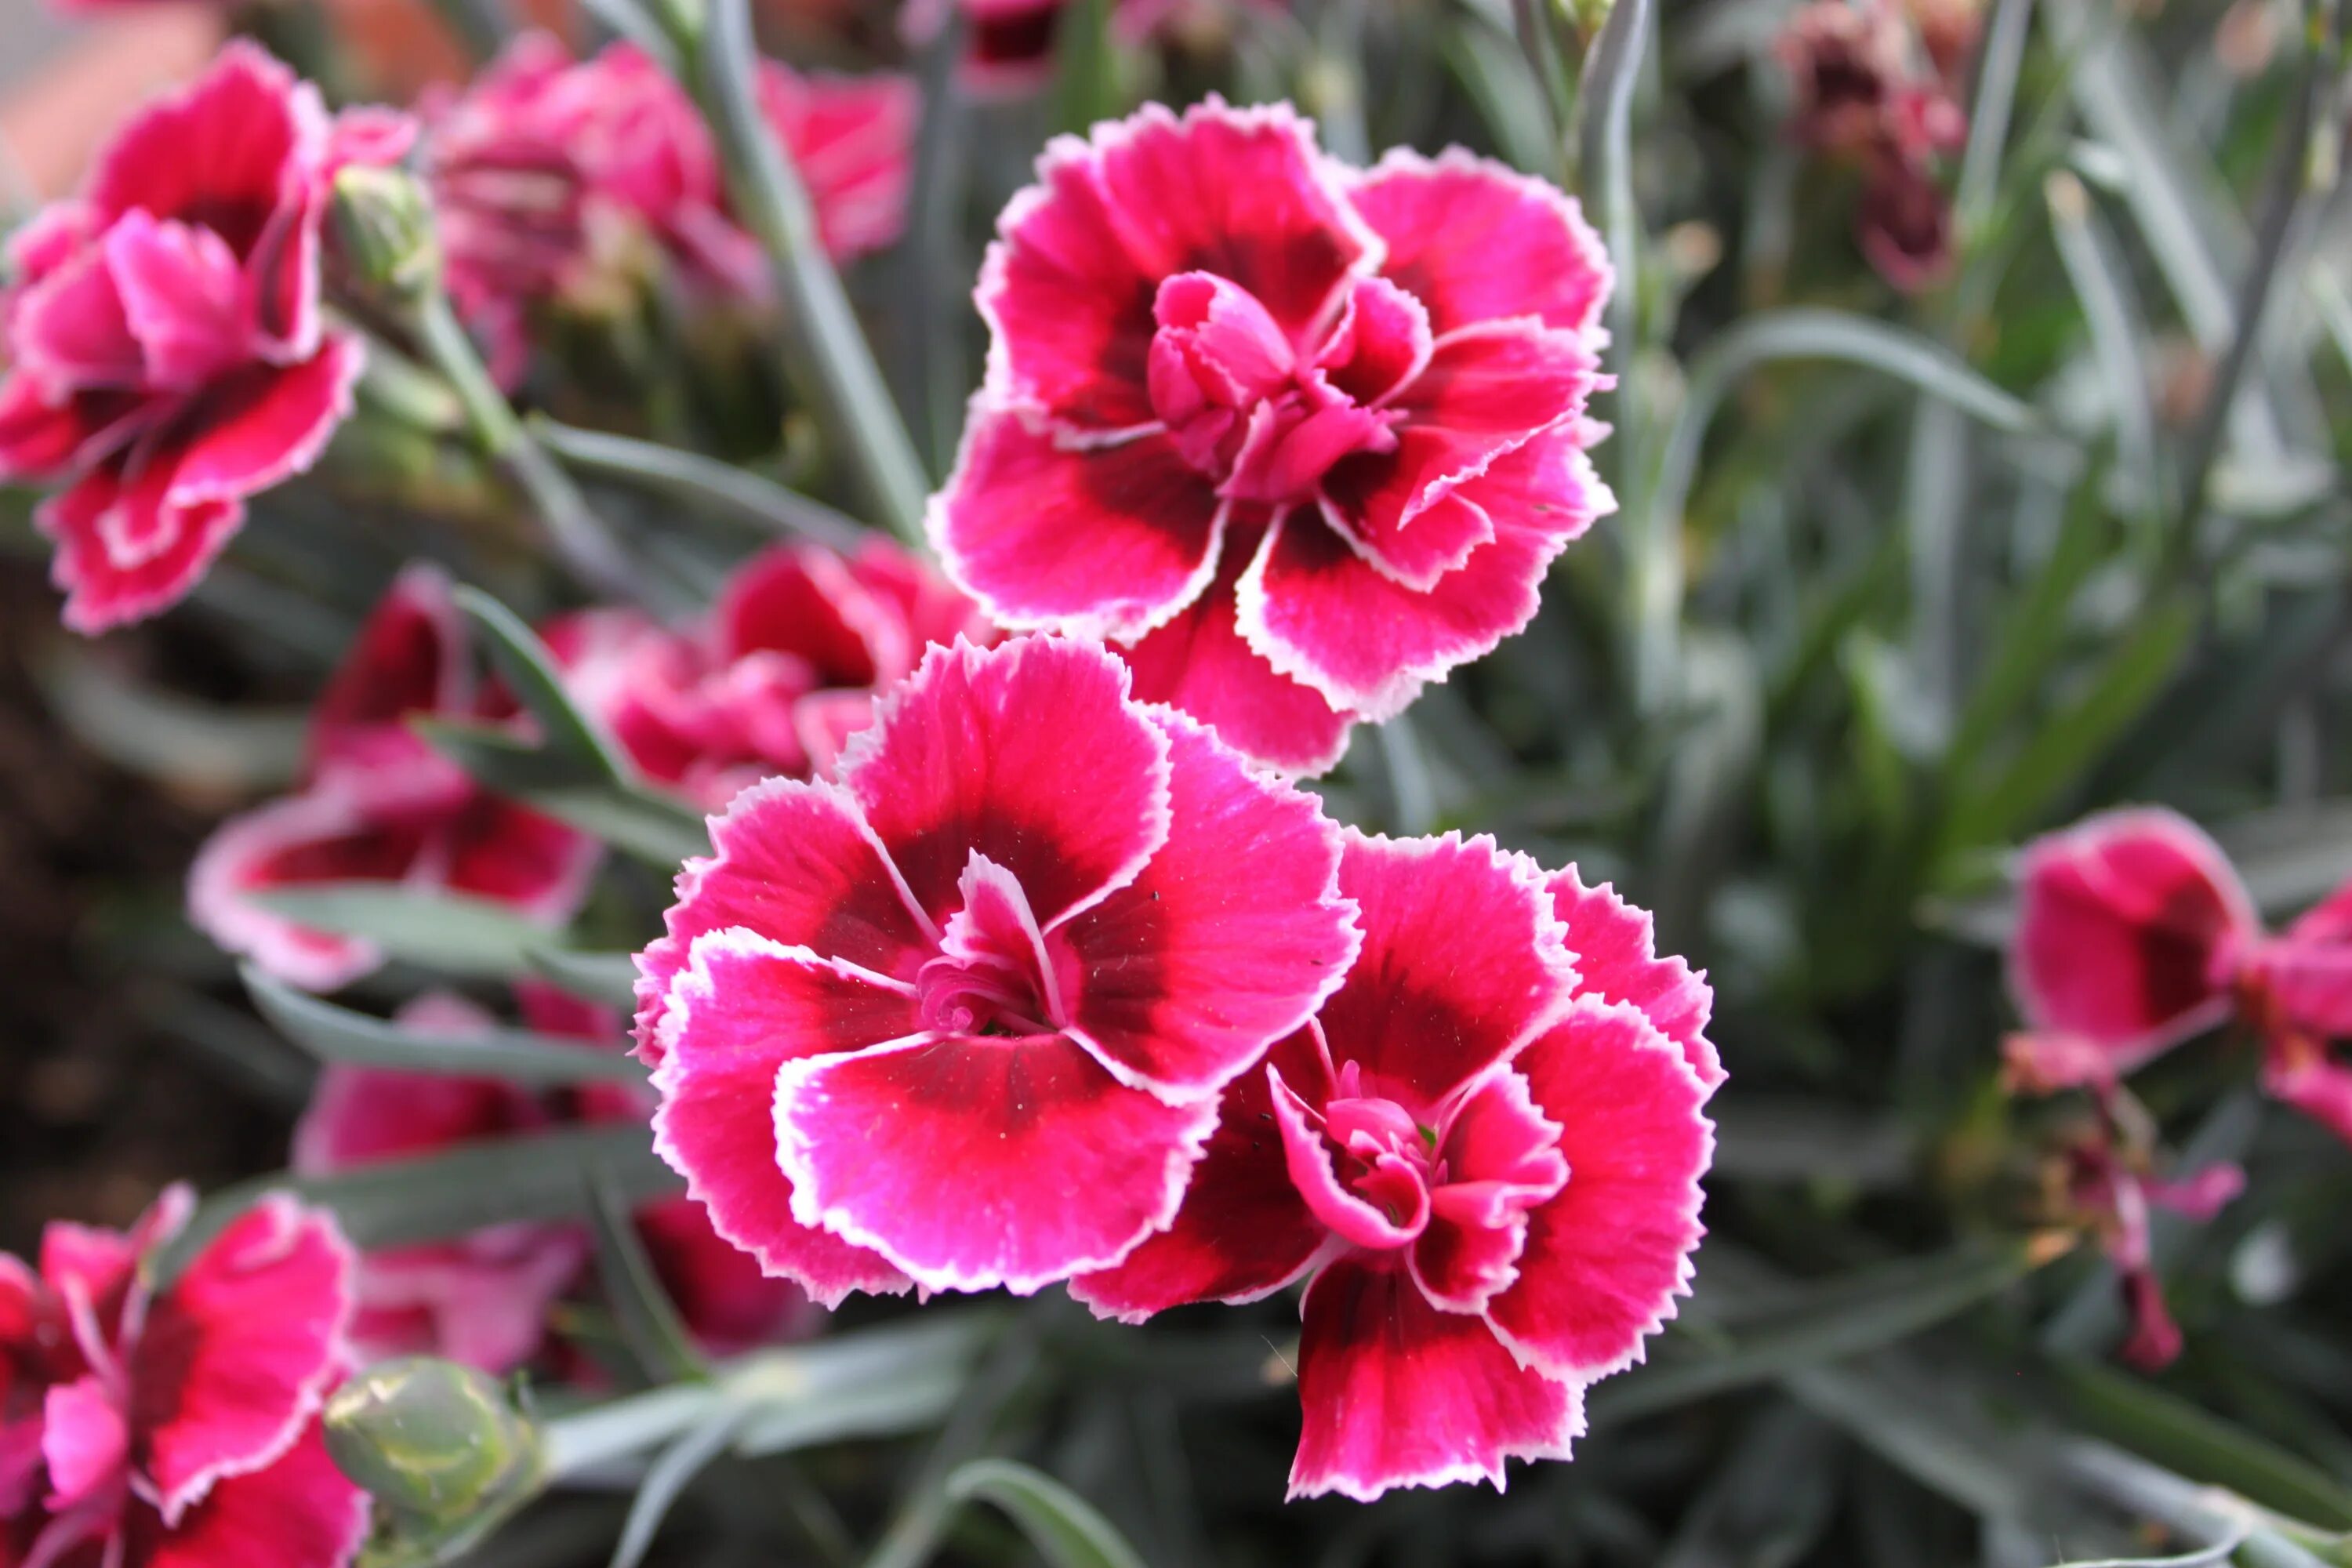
[
  {"x": 377, "y": 804},
  {"x": 782, "y": 675},
  {"x": 545, "y": 167},
  {"x": 176, "y": 1428},
  {"x": 960, "y": 1019},
  {"x": 2134, "y": 934},
  {"x": 1490, "y": 1145},
  {"x": 487, "y": 1298},
  {"x": 1302, "y": 437},
  {"x": 166, "y": 349}
]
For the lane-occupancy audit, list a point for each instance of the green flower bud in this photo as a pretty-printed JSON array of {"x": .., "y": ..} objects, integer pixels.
[
  {"x": 384, "y": 229},
  {"x": 432, "y": 1442}
]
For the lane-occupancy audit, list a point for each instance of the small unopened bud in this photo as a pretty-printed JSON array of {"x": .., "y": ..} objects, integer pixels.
[
  {"x": 432, "y": 1442},
  {"x": 383, "y": 225}
]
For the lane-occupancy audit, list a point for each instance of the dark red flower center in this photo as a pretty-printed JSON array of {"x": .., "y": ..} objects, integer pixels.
[
  {"x": 1393, "y": 1163},
  {"x": 1267, "y": 417},
  {"x": 991, "y": 976}
]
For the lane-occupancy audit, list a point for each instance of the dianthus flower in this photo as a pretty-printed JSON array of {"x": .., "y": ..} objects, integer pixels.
[
  {"x": 167, "y": 354},
  {"x": 784, "y": 672},
  {"x": 175, "y": 1428},
  {"x": 546, "y": 168},
  {"x": 485, "y": 1299},
  {"x": 1009, "y": 44},
  {"x": 1302, "y": 437},
  {"x": 1486, "y": 1151},
  {"x": 2134, "y": 934},
  {"x": 376, "y": 803},
  {"x": 960, "y": 1018}
]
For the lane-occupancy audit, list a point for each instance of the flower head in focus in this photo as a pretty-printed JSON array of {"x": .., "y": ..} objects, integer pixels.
[
  {"x": 960, "y": 1019},
  {"x": 1301, "y": 438},
  {"x": 1484, "y": 1154},
  {"x": 168, "y": 356},
  {"x": 784, "y": 673},
  {"x": 176, "y": 1427},
  {"x": 376, "y": 803}
]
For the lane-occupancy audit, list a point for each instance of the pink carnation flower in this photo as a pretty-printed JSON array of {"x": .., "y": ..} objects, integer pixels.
[
  {"x": 1009, "y": 44},
  {"x": 486, "y": 1299},
  {"x": 960, "y": 1018},
  {"x": 544, "y": 164},
  {"x": 376, "y": 803},
  {"x": 167, "y": 354},
  {"x": 176, "y": 1428},
  {"x": 2134, "y": 934},
  {"x": 782, "y": 675},
  {"x": 1302, "y": 437},
  {"x": 1486, "y": 1151}
]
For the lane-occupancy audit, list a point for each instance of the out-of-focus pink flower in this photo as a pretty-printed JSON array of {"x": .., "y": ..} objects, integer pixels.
[
  {"x": 783, "y": 674},
  {"x": 376, "y": 803},
  {"x": 2112, "y": 1192},
  {"x": 1903, "y": 223},
  {"x": 176, "y": 1428},
  {"x": 1486, "y": 1151},
  {"x": 544, "y": 167},
  {"x": 1301, "y": 438},
  {"x": 2134, "y": 934},
  {"x": 1008, "y": 48},
  {"x": 961, "y": 1019},
  {"x": 167, "y": 354},
  {"x": 485, "y": 1299}
]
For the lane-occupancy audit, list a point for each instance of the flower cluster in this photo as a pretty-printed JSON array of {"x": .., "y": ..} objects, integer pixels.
[
  {"x": 484, "y": 1299},
  {"x": 1300, "y": 437},
  {"x": 176, "y": 1426},
  {"x": 964, "y": 1019},
  {"x": 784, "y": 672},
  {"x": 549, "y": 174},
  {"x": 168, "y": 356},
  {"x": 376, "y": 803},
  {"x": 1862, "y": 101}
]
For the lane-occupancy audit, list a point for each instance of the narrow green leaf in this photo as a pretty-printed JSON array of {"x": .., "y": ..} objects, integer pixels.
[
  {"x": 455, "y": 933},
  {"x": 647, "y": 1318},
  {"x": 336, "y": 1034},
  {"x": 2201, "y": 1445},
  {"x": 691, "y": 476},
  {"x": 531, "y": 670},
  {"x": 1823, "y": 1323},
  {"x": 453, "y": 1191},
  {"x": 1064, "y": 1527},
  {"x": 1086, "y": 69},
  {"x": 607, "y": 977},
  {"x": 637, "y": 819},
  {"x": 670, "y": 1474},
  {"x": 161, "y": 735}
]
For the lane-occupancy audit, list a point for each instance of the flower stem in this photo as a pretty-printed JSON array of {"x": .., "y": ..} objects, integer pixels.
[
  {"x": 835, "y": 365},
  {"x": 691, "y": 476},
  {"x": 574, "y": 530}
]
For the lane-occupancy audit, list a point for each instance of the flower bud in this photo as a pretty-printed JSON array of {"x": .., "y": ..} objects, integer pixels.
[
  {"x": 385, "y": 229},
  {"x": 433, "y": 1442}
]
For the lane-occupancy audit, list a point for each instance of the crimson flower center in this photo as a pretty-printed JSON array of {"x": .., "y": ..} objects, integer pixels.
[
  {"x": 1258, "y": 413},
  {"x": 1393, "y": 1159},
  {"x": 991, "y": 975},
  {"x": 979, "y": 998}
]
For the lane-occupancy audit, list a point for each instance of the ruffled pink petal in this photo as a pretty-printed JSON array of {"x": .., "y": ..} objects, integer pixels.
[
  {"x": 261, "y": 425},
  {"x": 1398, "y": 1394},
  {"x": 1401, "y": 1211},
  {"x": 71, "y": 331},
  {"x": 300, "y": 1513},
  {"x": 408, "y": 658},
  {"x": 1184, "y": 975},
  {"x": 794, "y": 863},
  {"x": 1198, "y": 662},
  {"x": 1476, "y": 241},
  {"x": 1617, "y": 961},
  {"x": 237, "y": 1355},
  {"x": 806, "y": 602},
  {"x": 101, "y": 594},
  {"x": 1030, "y": 754},
  {"x": 1106, "y": 542},
  {"x": 1605, "y": 1257},
  {"x": 495, "y": 849},
  {"x": 1317, "y": 612},
  {"x": 852, "y": 140},
  {"x": 1244, "y": 1232},
  {"x": 1068, "y": 288},
  {"x": 1499, "y": 1157},
  {"x": 972, "y": 1163},
  {"x": 226, "y": 151},
  {"x": 2130, "y": 927},
  {"x": 2315, "y": 1084},
  {"x": 2307, "y": 973},
  {"x": 2200, "y": 1197},
  {"x": 179, "y": 287},
  {"x": 485, "y": 1301},
  {"x": 1461, "y": 965},
  {"x": 288, "y": 843},
  {"x": 743, "y": 1007},
  {"x": 84, "y": 1440},
  {"x": 728, "y": 1302},
  {"x": 41, "y": 438}
]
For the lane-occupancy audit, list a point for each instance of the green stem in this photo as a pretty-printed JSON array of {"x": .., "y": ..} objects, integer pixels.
[
  {"x": 836, "y": 366},
  {"x": 691, "y": 476},
  {"x": 571, "y": 528}
]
